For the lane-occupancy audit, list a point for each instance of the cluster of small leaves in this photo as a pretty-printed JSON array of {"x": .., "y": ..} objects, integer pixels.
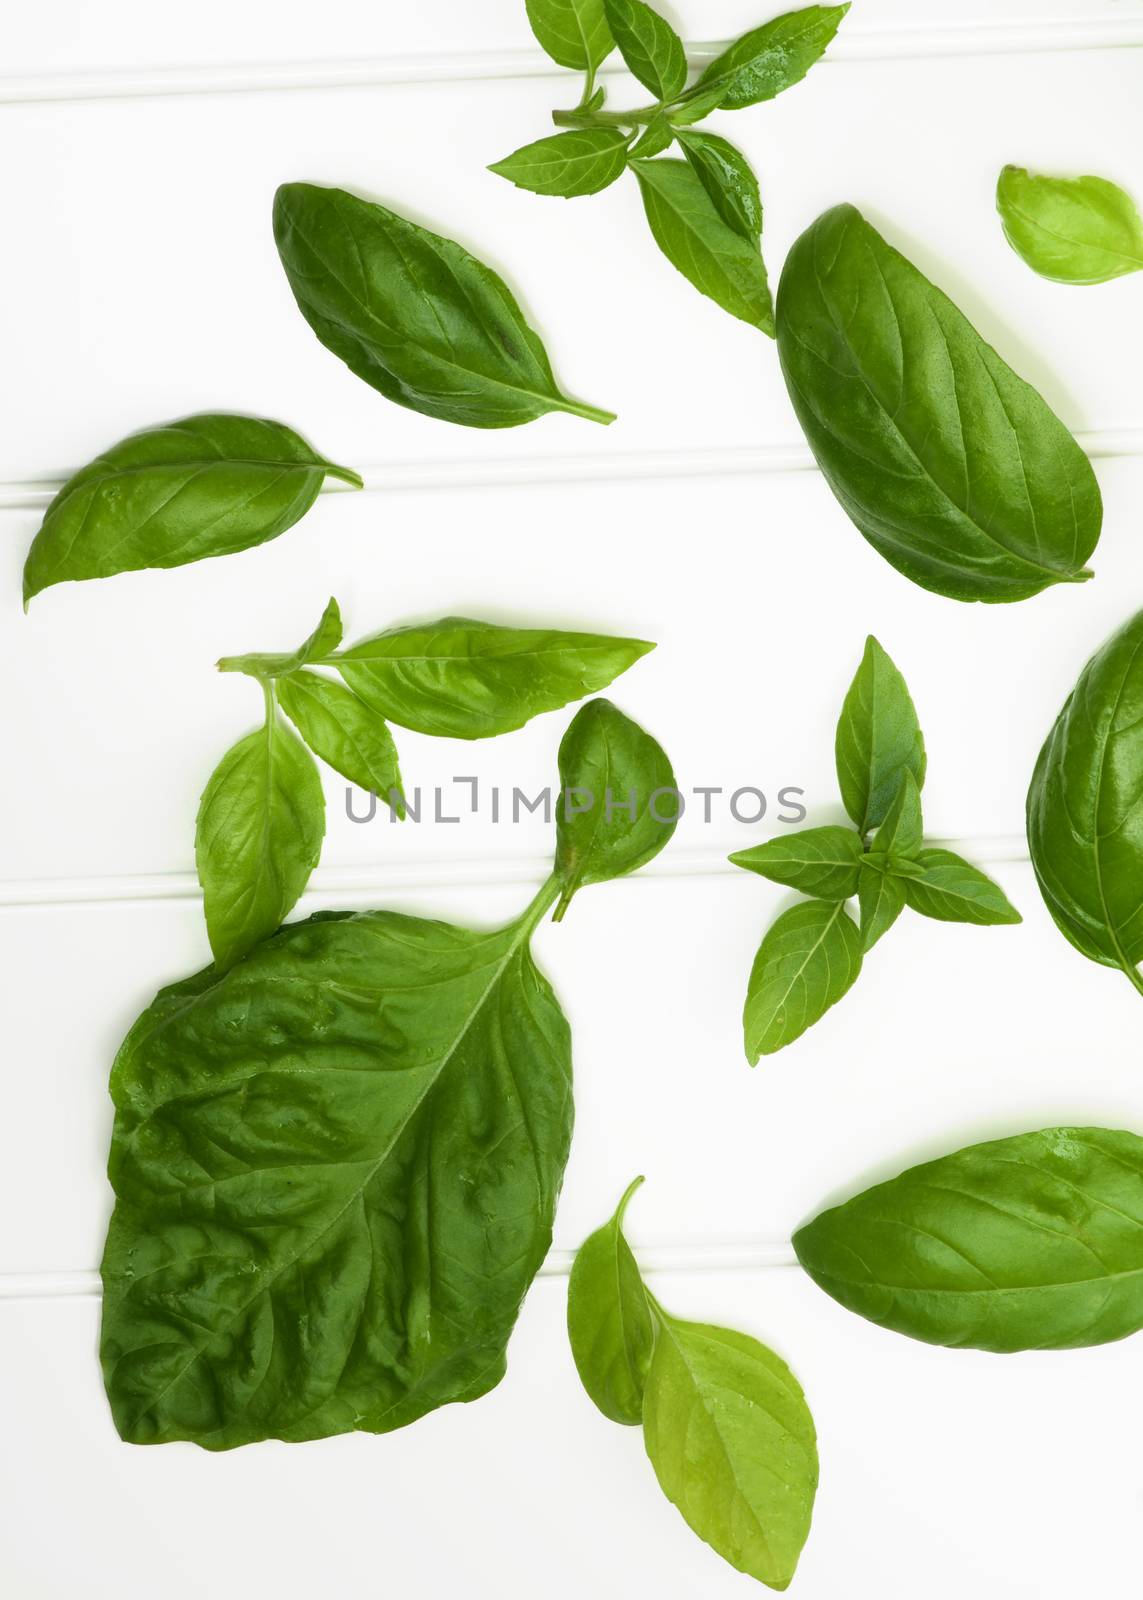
[
  {"x": 725, "y": 1422},
  {"x": 704, "y": 210},
  {"x": 813, "y": 953}
]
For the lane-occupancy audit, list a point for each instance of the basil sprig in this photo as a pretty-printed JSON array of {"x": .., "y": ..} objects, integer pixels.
[
  {"x": 725, "y": 1422},
  {"x": 704, "y": 211},
  {"x": 813, "y": 953}
]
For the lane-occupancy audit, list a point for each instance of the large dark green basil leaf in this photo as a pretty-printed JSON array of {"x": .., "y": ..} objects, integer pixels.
[
  {"x": 206, "y": 486},
  {"x": 469, "y": 680},
  {"x": 771, "y": 58},
  {"x": 583, "y": 161},
  {"x": 1085, "y": 808},
  {"x": 878, "y": 738},
  {"x": 1028, "y": 1243},
  {"x": 824, "y": 862},
  {"x": 953, "y": 468},
  {"x": 335, "y": 1171},
  {"x": 258, "y": 836},
  {"x": 344, "y": 732},
  {"x": 807, "y": 961},
  {"x": 1073, "y": 230},
  {"x": 650, "y": 47},
  {"x": 610, "y": 1327},
  {"x": 728, "y": 179},
  {"x": 573, "y": 32},
  {"x": 414, "y": 314}
]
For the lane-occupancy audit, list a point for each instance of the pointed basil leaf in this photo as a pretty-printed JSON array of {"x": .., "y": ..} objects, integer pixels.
[
  {"x": 733, "y": 1445},
  {"x": 824, "y": 862},
  {"x": 568, "y": 164},
  {"x": 656, "y": 137},
  {"x": 609, "y": 1320},
  {"x": 1073, "y": 230},
  {"x": 695, "y": 239},
  {"x": 694, "y": 107},
  {"x": 258, "y": 837},
  {"x": 651, "y": 48},
  {"x": 728, "y": 179},
  {"x": 573, "y": 32},
  {"x": 322, "y": 642},
  {"x": 1028, "y": 1243},
  {"x": 878, "y": 737},
  {"x": 771, "y": 58},
  {"x": 206, "y": 486},
  {"x": 412, "y": 313},
  {"x": 462, "y": 679},
  {"x": 618, "y": 804},
  {"x": 335, "y": 1170},
  {"x": 952, "y": 467},
  {"x": 951, "y": 889},
  {"x": 344, "y": 732},
  {"x": 805, "y": 964},
  {"x": 902, "y": 831},
  {"x": 881, "y": 898}
]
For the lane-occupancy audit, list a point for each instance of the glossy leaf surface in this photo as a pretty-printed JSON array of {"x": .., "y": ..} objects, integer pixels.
[
  {"x": 824, "y": 862},
  {"x": 573, "y": 32},
  {"x": 878, "y": 737},
  {"x": 728, "y": 179},
  {"x": 771, "y": 58},
  {"x": 807, "y": 961},
  {"x": 610, "y": 1326},
  {"x": 650, "y": 47},
  {"x": 580, "y": 162},
  {"x": 343, "y": 731}
]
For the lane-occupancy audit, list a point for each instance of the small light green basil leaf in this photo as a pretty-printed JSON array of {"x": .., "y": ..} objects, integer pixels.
[
  {"x": 1028, "y": 1243},
  {"x": 881, "y": 899},
  {"x": 808, "y": 960},
  {"x": 462, "y": 679},
  {"x": 573, "y": 32},
  {"x": 618, "y": 804},
  {"x": 901, "y": 834},
  {"x": 345, "y": 733},
  {"x": 257, "y": 838},
  {"x": 951, "y": 466},
  {"x": 878, "y": 737},
  {"x": 609, "y": 1321},
  {"x": 733, "y": 1444},
  {"x": 568, "y": 164},
  {"x": 695, "y": 239},
  {"x": 651, "y": 48},
  {"x": 322, "y": 641},
  {"x": 1072, "y": 230},
  {"x": 695, "y": 107},
  {"x": 771, "y": 58},
  {"x": 904, "y": 866},
  {"x": 597, "y": 99},
  {"x": 209, "y": 485},
  {"x": 728, "y": 179},
  {"x": 414, "y": 314},
  {"x": 951, "y": 889},
  {"x": 824, "y": 862},
  {"x": 656, "y": 137}
]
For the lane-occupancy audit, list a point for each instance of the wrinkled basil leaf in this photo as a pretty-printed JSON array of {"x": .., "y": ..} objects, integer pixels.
[
  {"x": 573, "y": 32},
  {"x": 950, "y": 889},
  {"x": 610, "y": 1327},
  {"x": 952, "y": 467},
  {"x": 650, "y": 47},
  {"x": 806, "y": 962},
  {"x": 823, "y": 862},
  {"x": 1072, "y": 230},
  {"x": 583, "y": 161},
  {"x": 771, "y": 58},
  {"x": 344, "y": 732},
  {"x": 728, "y": 179},
  {"x": 878, "y": 738},
  {"x": 1028, "y": 1243}
]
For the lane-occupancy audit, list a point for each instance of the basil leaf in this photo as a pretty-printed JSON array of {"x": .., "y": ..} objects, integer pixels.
[
  {"x": 881, "y": 898},
  {"x": 824, "y": 862},
  {"x": 650, "y": 47},
  {"x": 806, "y": 962},
  {"x": 258, "y": 837},
  {"x": 1085, "y": 822},
  {"x": 1072, "y": 230},
  {"x": 619, "y": 803},
  {"x": 656, "y": 137},
  {"x": 695, "y": 239},
  {"x": 733, "y": 1445},
  {"x": 344, "y": 732},
  {"x": 728, "y": 179},
  {"x": 1028, "y": 1243},
  {"x": 462, "y": 679},
  {"x": 573, "y": 32},
  {"x": 206, "y": 486},
  {"x": 413, "y": 314},
  {"x": 951, "y": 889},
  {"x": 335, "y": 1170},
  {"x": 322, "y": 642},
  {"x": 878, "y": 737},
  {"x": 902, "y": 831},
  {"x": 695, "y": 106},
  {"x": 569, "y": 164},
  {"x": 609, "y": 1321},
  {"x": 771, "y": 58},
  {"x": 951, "y": 466}
]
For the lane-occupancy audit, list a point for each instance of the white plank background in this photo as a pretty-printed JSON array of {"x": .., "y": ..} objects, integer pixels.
[{"x": 140, "y": 150}]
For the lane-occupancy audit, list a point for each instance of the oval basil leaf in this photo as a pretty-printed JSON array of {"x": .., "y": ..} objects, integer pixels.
[
  {"x": 609, "y": 1321},
  {"x": 733, "y": 1445},
  {"x": 209, "y": 485},
  {"x": 771, "y": 58},
  {"x": 568, "y": 164},
  {"x": 257, "y": 838},
  {"x": 335, "y": 1171},
  {"x": 805, "y": 964},
  {"x": 951, "y": 889},
  {"x": 1029, "y": 1243},
  {"x": 322, "y": 642},
  {"x": 412, "y": 313},
  {"x": 728, "y": 179},
  {"x": 344, "y": 732},
  {"x": 881, "y": 898},
  {"x": 824, "y": 862},
  {"x": 469, "y": 680},
  {"x": 1085, "y": 824},
  {"x": 1072, "y": 230},
  {"x": 952, "y": 467},
  {"x": 656, "y": 137},
  {"x": 619, "y": 803},
  {"x": 878, "y": 738},
  {"x": 573, "y": 32},
  {"x": 719, "y": 262},
  {"x": 650, "y": 47}
]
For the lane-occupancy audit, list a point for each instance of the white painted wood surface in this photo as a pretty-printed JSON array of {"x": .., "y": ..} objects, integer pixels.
[{"x": 140, "y": 149}]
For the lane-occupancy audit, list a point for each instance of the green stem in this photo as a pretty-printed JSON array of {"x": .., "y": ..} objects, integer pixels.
[
  {"x": 1133, "y": 973},
  {"x": 605, "y": 119},
  {"x": 549, "y": 891},
  {"x": 346, "y": 474},
  {"x": 577, "y": 408},
  {"x": 588, "y": 84}
]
